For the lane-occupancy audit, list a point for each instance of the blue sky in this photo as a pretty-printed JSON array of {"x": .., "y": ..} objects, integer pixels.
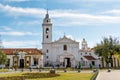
[{"x": 20, "y": 21}]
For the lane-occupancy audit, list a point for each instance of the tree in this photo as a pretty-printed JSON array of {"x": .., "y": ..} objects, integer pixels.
[
  {"x": 3, "y": 58},
  {"x": 107, "y": 48}
]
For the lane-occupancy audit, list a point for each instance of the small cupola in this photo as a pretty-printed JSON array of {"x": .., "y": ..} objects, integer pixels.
[{"x": 47, "y": 20}]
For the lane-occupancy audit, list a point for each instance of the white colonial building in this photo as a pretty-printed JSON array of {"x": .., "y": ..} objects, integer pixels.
[
  {"x": 88, "y": 56},
  {"x": 65, "y": 52},
  {"x": 23, "y": 57}
]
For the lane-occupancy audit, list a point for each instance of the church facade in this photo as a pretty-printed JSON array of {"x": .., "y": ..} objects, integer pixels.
[{"x": 65, "y": 52}]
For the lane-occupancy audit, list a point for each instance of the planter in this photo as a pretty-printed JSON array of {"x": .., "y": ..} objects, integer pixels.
[
  {"x": 109, "y": 70},
  {"x": 79, "y": 70},
  {"x": 65, "y": 70},
  {"x": 94, "y": 70},
  {"x": 52, "y": 71}
]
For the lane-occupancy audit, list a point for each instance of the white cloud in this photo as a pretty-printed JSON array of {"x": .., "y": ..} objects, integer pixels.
[
  {"x": 69, "y": 36},
  {"x": 112, "y": 12},
  {"x": 16, "y": 33},
  {"x": 77, "y": 1},
  {"x": 16, "y": 0},
  {"x": 28, "y": 23},
  {"x": 16, "y": 11},
  {"x": 19, "y": 44},
  {"x": 6, "y": 28},
  {"x": 83, "y": 17},
  {"x": 70, "y": 17}
]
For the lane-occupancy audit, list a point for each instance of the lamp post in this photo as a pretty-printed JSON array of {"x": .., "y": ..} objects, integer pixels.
[{"x": 79, "y": 67}]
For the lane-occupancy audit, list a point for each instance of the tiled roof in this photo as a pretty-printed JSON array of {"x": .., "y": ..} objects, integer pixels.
[
  {"x": 30, "y": 51},
  {"x": 86, "y": 50},
  {"x": 89, "y": 57}
]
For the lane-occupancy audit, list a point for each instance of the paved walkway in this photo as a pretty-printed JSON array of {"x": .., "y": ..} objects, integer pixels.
[{"x": 104, "y": 75}]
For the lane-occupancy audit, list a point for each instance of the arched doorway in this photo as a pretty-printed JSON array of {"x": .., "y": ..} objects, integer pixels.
[
  {"x": 67, "y": 62},
  {"x": 21, "y": 63}
]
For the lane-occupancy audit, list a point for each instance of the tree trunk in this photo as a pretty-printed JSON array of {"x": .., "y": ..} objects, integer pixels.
[
  {"x": 103, "y": 62},
  {"x": 111, "y": 61}
]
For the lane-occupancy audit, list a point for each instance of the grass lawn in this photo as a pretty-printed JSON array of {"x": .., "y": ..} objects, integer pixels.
[
  {"x": 3, "y": 70},
  {"x": 46, "y": 76}
]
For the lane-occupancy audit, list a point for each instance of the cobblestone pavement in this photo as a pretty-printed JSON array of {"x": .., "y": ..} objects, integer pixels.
[{"x": 104, "y": 75}]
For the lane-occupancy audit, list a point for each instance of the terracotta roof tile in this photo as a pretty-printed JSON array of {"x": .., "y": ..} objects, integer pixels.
[
  {"x": 32, "y": 51},
  {"x": 89, "y": 57}
]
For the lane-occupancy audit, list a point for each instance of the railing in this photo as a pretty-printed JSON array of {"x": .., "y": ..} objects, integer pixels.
[{"x": 95, "y": 75}]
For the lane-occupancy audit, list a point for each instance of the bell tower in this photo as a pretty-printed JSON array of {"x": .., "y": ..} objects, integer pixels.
[
  {"x": 84, "y": 44},
  {"x": 47, "y": 29}
]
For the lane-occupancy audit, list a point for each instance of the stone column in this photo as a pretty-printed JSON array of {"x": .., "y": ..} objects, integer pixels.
[
  {"x": 114, "y": 62},
  {"x": 102, "y": 62},
  {"x": 27, "y": 61},
  {"x": 118, "y": 62},
  {"x": 15, "y": 61}
]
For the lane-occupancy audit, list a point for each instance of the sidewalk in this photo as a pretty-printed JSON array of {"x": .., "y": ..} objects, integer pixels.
[{"x": 104, "y": 75}]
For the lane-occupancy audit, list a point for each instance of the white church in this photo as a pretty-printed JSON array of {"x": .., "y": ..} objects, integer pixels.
[
  {"x": 62, "y": 53},
  {"x": 65, "y": 52}
]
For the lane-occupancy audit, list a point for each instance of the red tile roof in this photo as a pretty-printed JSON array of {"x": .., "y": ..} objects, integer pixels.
[
  {"x": 89, "y": 57},
  {"x": 30, "y": 51}
]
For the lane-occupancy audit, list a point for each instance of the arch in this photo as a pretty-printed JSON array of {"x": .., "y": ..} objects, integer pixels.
[
  {"x": 65, "y": 47},
  {"x": 47, "y": 30},
  {"x": 47, "y": 36},
  {"x": 21, "y": 63}
]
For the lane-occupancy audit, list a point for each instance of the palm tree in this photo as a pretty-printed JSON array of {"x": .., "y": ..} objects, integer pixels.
[{"x": 107, "y": 48}]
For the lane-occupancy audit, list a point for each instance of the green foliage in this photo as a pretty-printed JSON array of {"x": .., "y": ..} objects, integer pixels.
[
  {"x": 3, "y": 58},
  {"x": 107, "y": 48}
]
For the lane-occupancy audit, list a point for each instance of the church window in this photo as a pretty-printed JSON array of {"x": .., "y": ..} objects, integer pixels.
[
  {"x": 8, "y": 62},
  {"x": 47, "y": 20},
  {"x": 47, "y": 51},
  {"x": 81, "y": 58},
  {"x": 90, "y": 54},
  {"x": 35, "y": 61},
  {"x": 47, "y": 30},
  {"x": 27, "y": 61},
  {"x": 47, "y": 36},
  {"x": 15, "y": 62},
  {"x": 65, "y": 47},
  {"x": 93, "y": 63},
  {"x": 81, "y": 53},
  {"x": 47, "y": 57}
]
